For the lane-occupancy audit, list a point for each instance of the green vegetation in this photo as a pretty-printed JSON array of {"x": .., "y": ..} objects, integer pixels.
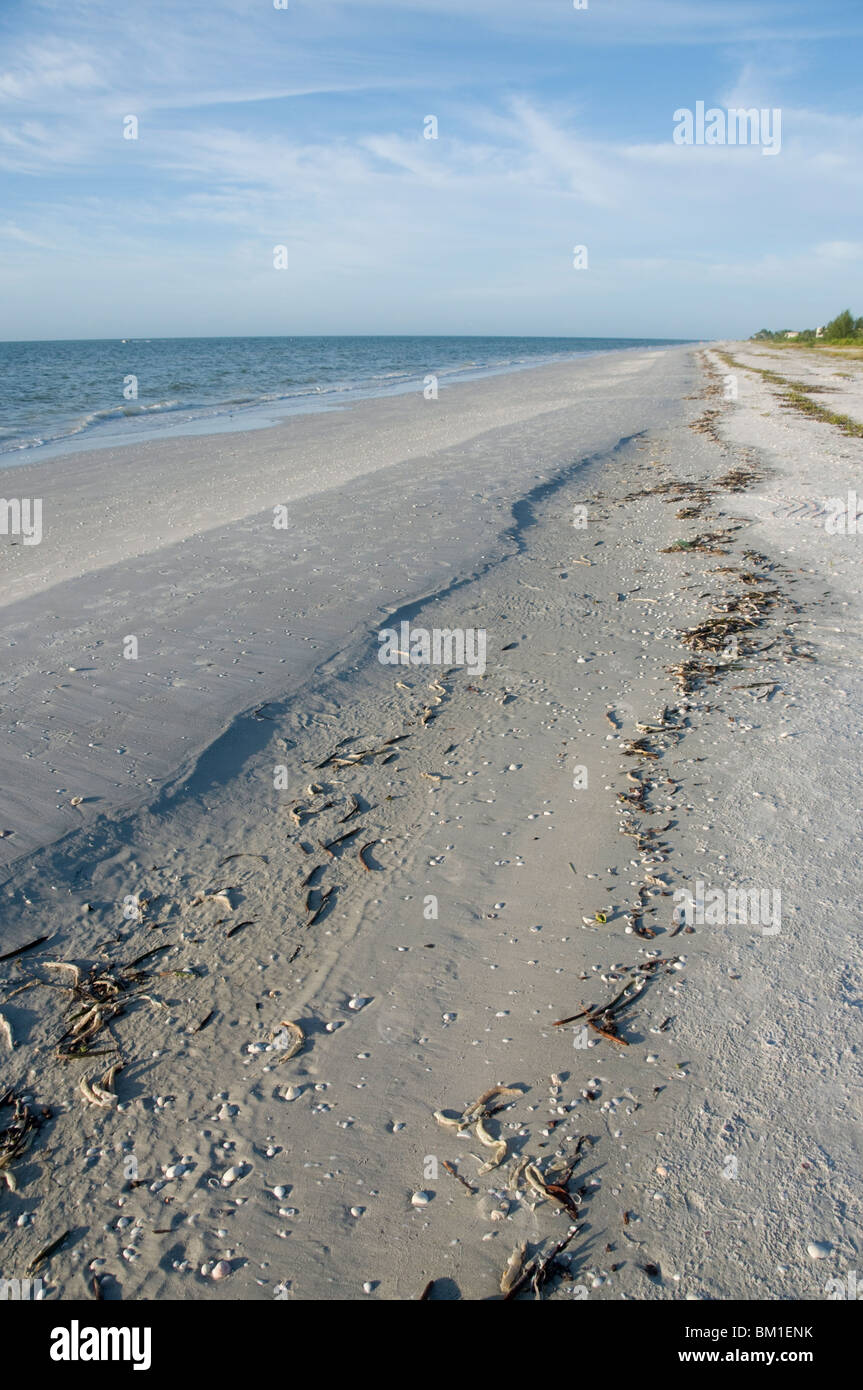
[
  {"x": 797, "y": 395},
  {"x": 843, "y": 331}
]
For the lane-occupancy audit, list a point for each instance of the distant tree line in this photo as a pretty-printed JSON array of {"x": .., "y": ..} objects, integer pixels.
[{"x": 845, "y": 328}]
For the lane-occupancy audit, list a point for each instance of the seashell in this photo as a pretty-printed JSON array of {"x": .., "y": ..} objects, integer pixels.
[
  {"x": 818, "y": 1249},
  {"x": 293, "y": 1092},
  {"x": 280, "y": 1192},
  {"x": 514, "y": 1266},
  {"x": 232, "y": 1174},
  {"x": 297, "y": 1038},
  {"x": 421, "y": 1199},
  {"x": 358, "y": 1001},
  {"x": 221, "y": 1270}
]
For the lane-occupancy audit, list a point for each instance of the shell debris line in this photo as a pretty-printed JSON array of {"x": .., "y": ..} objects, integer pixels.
[
  {"x": 524, "y": 1183},
  {"x": 416, "y": 905}
]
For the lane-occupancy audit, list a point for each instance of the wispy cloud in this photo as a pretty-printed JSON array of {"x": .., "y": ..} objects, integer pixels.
[
  {"x": 51, "y": 67},
  {"x": 305, "y": 127}
]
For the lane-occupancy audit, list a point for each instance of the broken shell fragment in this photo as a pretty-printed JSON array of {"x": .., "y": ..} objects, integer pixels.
[
  {"x": 513, "y": 1268},
  {"x": 450, "y": 1121},
  {"x": 289, "y": 1040}
]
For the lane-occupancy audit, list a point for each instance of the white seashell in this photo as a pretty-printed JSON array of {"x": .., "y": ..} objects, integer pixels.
[
  {"x": 368, "y": 1286},
  {"x": 359, "y": 1001},
  {"x": 280, "y": 1192},
  {"x": 221, "y": 1270},
  {"x": 819, "y": 1249},
  {"x": 293, "y": 1092},
  {"x": 232, "y": 1174},
  {"x": 357, "y": 1211},
  {"x": 421, "y": 1199}
]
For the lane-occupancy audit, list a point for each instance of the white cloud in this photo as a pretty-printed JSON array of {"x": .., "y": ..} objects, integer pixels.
[
  {"x": 49, "y": 67},
  {"x": 844, "y": 251}
]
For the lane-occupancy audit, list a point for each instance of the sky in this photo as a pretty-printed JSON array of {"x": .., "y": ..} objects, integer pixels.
[{"x": 305, "y": 127}]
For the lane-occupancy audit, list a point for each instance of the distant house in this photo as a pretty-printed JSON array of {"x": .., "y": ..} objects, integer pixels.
[
  {"x": 795, "y": 334},
  {"x": 819, "y": 332}
]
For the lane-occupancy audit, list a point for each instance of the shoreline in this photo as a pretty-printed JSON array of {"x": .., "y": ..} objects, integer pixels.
[
  {"x": 379, "y": 508},
  {"x": 231, "y": 417},
  {"x": 541, "y": 907}
]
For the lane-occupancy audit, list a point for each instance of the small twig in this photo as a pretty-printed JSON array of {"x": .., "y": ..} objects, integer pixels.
[
  {"x": 453, "y": 1172},
  {"x": 361, "y": 855}
]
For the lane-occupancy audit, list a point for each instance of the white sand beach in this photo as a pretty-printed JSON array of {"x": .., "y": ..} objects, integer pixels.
[{"x": 254, "y": 822}]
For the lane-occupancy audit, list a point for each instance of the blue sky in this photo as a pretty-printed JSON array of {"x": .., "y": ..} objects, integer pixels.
[{"x": 304, "y": 127}]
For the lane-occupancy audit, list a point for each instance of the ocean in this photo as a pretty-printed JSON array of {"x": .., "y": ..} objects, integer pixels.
[{"x": 58, "y": 396}]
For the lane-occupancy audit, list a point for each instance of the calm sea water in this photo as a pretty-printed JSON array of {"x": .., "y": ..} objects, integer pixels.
[{"x": 96, "y": 389}]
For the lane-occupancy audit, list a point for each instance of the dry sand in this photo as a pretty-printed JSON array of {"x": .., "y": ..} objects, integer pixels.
[{"x": 710, "y": 1143}]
